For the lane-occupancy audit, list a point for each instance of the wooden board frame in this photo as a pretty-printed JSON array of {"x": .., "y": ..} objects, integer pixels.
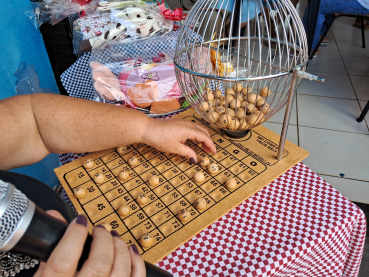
[{"x": 251, "y": 161}]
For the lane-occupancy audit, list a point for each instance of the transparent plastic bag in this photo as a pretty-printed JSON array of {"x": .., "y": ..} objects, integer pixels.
[
  {"x": 121, "y": 22},
  {"x": 140, "y": 75}
]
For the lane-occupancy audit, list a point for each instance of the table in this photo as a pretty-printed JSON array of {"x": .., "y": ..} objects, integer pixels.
[{"x": 298, "y": 225}]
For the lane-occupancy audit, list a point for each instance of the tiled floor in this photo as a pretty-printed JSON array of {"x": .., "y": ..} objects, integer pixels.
[{"x": 323, "y": 119}]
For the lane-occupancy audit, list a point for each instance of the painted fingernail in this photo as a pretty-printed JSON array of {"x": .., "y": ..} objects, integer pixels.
[
  {"x": 82, "y": 220},
  {"x": 135, "y": 249},
  {"x": 193, "y": 161},
  {"x": 100, "y": 226},
  {"x": 114, "y": 233}
]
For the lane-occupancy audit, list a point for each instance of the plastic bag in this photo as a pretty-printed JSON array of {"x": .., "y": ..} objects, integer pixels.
[
  {"x": 38, "y": 15},
  {"x": 121, "y": 22},
  {"x": 140, "y": 75}
]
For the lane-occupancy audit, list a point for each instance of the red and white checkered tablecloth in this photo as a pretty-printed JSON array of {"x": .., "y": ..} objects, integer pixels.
[{"x": 298, "y": 225}]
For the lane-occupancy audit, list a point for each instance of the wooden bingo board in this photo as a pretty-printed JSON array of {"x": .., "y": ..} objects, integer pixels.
[{"x": 250, "y": 160}]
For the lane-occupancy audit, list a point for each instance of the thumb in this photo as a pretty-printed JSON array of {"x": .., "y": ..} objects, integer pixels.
[{"x": 185, "y": 151}]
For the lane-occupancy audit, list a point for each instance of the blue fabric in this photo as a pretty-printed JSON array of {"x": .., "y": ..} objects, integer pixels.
[
  {"x": 326, "y": 10},
  {"x": 254, "y": 8},
  {"x": 364, "y": 3}
]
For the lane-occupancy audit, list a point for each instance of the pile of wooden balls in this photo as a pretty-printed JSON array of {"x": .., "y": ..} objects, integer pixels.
[{"x": 249, "y": 108}]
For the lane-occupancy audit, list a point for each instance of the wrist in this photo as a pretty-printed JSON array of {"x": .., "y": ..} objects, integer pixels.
[{"x": 146, "y": 131}]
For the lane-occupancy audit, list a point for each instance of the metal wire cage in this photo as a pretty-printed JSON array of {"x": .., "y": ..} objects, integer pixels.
[{"x": 238, "y": 62}]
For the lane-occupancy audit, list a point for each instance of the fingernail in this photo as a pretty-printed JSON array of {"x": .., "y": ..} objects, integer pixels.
[
  {"x": 82, "y": 220},
  {"x": 100, "y": 226},
  {"x": 135, "y": 249},
  {"x": 193, "y": 161},
  {"x": 114, "y": 233}
]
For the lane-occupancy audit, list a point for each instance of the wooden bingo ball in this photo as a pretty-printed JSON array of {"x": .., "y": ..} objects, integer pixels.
[
  {"x": 243, "y": 104},
  {"x": 239, "y": 98},
  {"x": 260, "y": 102},
  {"x": 224, "y": 120},
  {"x": 230, "y": 91},
  {"x": 222, "y": 103},
  {"x": 99, "y": 178},
  {"x": 228, "y": 100},
  {"x": 250, "y": 108},
  {"x": 246, "y": 90},
  {"x": 105, "y": 225},
  {"x": 220, "y": 110},
  {"x": 253, "y": 98},
  {"x": 264, "y": 108},
  {"x": 154, "y": 181},
  {"x": 123, "y": 175},
  {"x": 231, "y": 183},
  {"x": 230, "y": 112},
  {"x": 88, "y": 164},
  {"x": 80, "y": 192},
  {"x": 205, "y": 106},
  {"x": 237, "y": 87},
  {"x": 209, "y": 96},
  {"x": 240, "y": 114},
  {"x": 200, "y": 203},
  {"x": 205, "y": 162},
  {"x": 133, "y": 161},
  {"x": 264, "y": 92},
  {"x": 123, "y": 210},
  {"x": 255, "y": 118},
  {"x": 121, "y": 149},
  {"x": 199, "y": 177},
  {"x": 142, "y": 199},
  {"x": 234, "y": 124},
  {"x": 146, "y": 240},
  {"x": 235, "y": 103},
  {"x": 213, "y": 168},
  {"x": 212, "y": 104},
  {"x": 243, "y": 124},
  {"x": 212, "y": 116},
  {"x": 218, "y": 93},
  {"x": 184, "y": 215}
]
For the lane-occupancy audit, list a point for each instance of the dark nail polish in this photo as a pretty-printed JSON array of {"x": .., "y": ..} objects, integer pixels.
[
  {"x": 135, "y": 249},
  {"x": 114, "y": 233},
  {"x": 100, "y": 226},
  {"x": 192, "y": 160},
  {"x": 82, "y": 220}
]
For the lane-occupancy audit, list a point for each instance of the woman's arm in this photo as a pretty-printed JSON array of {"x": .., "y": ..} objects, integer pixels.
[{"x": 33, "y": 126}]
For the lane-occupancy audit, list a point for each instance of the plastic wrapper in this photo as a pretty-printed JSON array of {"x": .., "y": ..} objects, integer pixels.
[
  {"x": 140, "y": 75},
  {"x": 121, "y": 22},
  {"x": 55, "y": 11}
]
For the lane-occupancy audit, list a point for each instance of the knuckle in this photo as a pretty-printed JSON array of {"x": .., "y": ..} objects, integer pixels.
[{"x": 61, "y": 266}]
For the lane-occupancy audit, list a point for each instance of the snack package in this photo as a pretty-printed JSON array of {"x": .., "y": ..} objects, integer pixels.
[
  {"x": 122, "y": 22},
  {"x": 140, "y": 75}
]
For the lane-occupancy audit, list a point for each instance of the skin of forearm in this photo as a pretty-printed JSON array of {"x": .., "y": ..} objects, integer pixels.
[{"x": 33, "y": 126}]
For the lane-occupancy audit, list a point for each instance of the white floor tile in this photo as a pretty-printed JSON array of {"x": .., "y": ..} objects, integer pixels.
[
  {"x": 329, "y": 113},
  {"x": 356, "y": 66},
  {"x": 353, "y": 34},
  {"x": 279, "y": 116},
  {"x": 335, "y": 85},
  {"x": 361, "y": 87},
  {"x": 327, "y": 63},
  {"x": 329, "y": 49},
  {"x": 357, "y": 191},
  {"x": 333, "y": 152},
  {"x": 343, "y": 23},
  {"x": 353, "y": 49},
  {"x": 277, "y": 128}
]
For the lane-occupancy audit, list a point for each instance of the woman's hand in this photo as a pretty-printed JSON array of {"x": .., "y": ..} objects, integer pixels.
[
  {"x": 169, "y": 135},
  {"x": 109, "y": 254}
]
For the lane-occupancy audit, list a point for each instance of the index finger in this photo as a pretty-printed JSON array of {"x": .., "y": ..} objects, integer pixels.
[
  {"x": 64, "y": 259},
  {"x": 200, "y": 136}
]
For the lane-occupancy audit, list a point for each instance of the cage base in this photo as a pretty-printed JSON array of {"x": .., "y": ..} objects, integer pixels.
[{"x": 239, "y": 134}]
